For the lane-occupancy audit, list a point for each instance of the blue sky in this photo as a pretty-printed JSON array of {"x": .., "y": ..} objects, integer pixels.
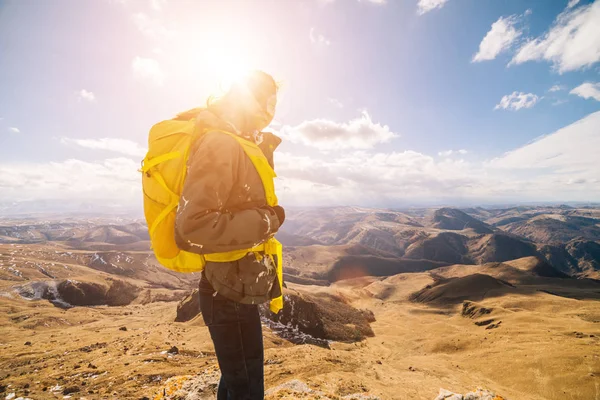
[{"x": 383, "y": 103}]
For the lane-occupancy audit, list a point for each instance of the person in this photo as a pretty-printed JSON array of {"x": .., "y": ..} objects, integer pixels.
[{"x": 223, "y": 208}]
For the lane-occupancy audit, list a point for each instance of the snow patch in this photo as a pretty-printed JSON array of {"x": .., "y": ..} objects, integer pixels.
[
  {"x": 97, "y": 257},
  {"x": 293, "y": 334}
]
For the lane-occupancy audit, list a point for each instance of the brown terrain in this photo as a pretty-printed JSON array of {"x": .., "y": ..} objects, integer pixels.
[{"x": 380, "y": 304}]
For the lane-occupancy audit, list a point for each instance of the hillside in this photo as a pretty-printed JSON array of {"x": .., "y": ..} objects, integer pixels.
[
  {"x": 446, "y": 247},
  {"x": 99, "y": 317},
  {"x": 470, "y": 236},
  {"x": 377, "y": 229},
  {"x": 456, "y": 220},
  {"x": 317, "y": 238}
]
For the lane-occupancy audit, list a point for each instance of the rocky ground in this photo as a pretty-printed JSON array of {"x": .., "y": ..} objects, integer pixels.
[
  {"x": 518, "y": 344},
  {"x": 366, "y": 317}
]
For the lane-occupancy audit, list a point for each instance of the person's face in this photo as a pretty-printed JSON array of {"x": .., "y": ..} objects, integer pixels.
[{"x": 264, "y": 113}]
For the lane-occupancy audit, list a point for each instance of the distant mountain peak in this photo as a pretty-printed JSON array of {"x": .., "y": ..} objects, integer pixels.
[{"x": 457, "y": 220}]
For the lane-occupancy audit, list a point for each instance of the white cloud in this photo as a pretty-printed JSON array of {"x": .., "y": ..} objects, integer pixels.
[
  {"x": 588, "y": 90},
  {"x": 572, "y": 3},
  {"x": 14, "y": 129},
  {"x": 157, "y": 5},
  {"x": 566, "y": 155},
  {"x": 335, "y": 102},
  {"x": 318, "y": 38},
  {"x": 360, "y": 133},
  {"x": 147, "y": 69},
  {"x": 556, "y": 88},
  {"x": 151, "y": 27},
  {"x": 517, "y": 100},
  {"x": 369, "y": 178},
  {"x": 561, "y": 166},
  {"x": 122, "y": 146},
  {"x": 559, "y": 102},
  {"x": 572, "y": 43},
  {"x": 500, "y": 37},
  {"x": 448, "y": 153},
  {"x": 425, "y": 6},
  {"x": 113, "y": 179},
  {"x": 85, "y": 95}
]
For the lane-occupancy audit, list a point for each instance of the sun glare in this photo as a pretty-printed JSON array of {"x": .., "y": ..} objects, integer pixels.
[{"x": 225, "y": 61}]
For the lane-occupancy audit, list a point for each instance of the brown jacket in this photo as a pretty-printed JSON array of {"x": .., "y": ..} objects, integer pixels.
[{"x": 223, "y": 204}]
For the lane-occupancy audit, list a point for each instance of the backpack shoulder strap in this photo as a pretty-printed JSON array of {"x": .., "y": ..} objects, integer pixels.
[{"x": 260, "y": 162}]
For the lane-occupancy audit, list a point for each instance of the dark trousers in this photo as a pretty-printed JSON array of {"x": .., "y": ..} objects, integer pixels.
[{"x": 236, "y": 332}]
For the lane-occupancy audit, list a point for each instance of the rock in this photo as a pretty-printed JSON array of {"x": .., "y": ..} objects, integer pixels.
[
  {"x": 321, "y": 316},
  {"x": 76, "y": 293},
  {"x": 204, "y": 387},
  {"x": 27, "y": 343},
  {"x": 82, "y": 293},
  {"x": 448, "y": 395},
  {"x": 92, "y": 366},
  {"x": 369, "y": 316},
  {"x": 296, "y": 389},
  {"x": 479, "y": 394},
  {"x": 189, "y": 307},
  {"x": 173, "y": 350},
  {"x": 121, "y": 293},
  {"x": 494, "y": 326},
  {"x": 473, "y": 310},
  {"x": 123, "y": 328},
  {"x": 200, "y": 387},
  {"x": 70, "y": 389}
]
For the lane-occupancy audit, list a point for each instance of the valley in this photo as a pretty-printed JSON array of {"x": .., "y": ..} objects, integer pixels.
[{"x": 381, "y": 304}]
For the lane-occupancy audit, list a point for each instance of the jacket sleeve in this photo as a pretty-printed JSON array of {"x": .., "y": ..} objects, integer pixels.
[{"x": 203, "y": 225}]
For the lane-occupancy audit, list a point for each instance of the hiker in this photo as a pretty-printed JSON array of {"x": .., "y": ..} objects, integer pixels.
[{"x": 224, "y": 215}]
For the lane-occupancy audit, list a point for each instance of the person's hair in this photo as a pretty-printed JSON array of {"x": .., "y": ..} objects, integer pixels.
[{"x": 256, "y": 87}]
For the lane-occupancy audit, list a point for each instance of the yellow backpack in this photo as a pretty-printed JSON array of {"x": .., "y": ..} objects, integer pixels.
[{"x": 163, "y": 175}]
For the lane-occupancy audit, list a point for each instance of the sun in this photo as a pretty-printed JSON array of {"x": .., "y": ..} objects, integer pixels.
[{"x": 226, "y": 61}]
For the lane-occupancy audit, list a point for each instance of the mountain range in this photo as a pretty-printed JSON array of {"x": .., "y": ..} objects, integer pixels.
[{"x": 380, "y": 303}]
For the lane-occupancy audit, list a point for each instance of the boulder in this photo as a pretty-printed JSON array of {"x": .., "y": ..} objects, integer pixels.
[
  {"x": 297, "y": 389},
  {"x": 479, "y": 394},
  {"x": 305, "y": 318},
  {"x": 321, "y": 316},
  {"x": 81, "y": 293},
  {"x": 78, "y": 293},
  {"x": 189, "y": 307}
]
